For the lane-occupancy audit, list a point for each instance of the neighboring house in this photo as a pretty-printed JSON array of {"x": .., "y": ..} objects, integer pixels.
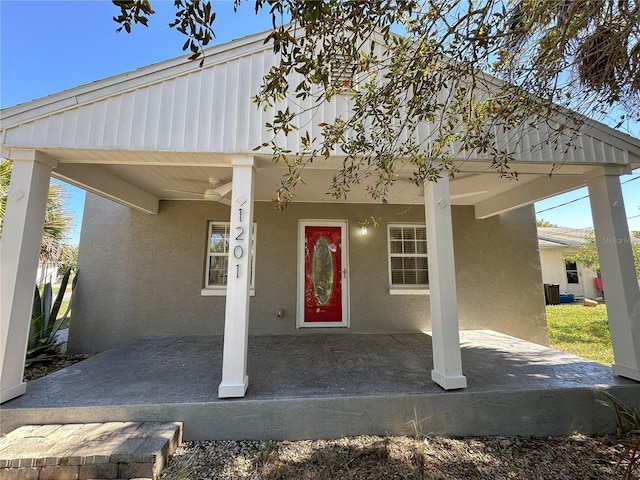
[
  {"x": 156, "y": 259},
  {"x": 47, "y": 273},
  {"x": 558, "y": 243}
]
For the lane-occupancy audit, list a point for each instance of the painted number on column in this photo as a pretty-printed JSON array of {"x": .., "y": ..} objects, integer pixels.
[{"x": 238, "y": 251}]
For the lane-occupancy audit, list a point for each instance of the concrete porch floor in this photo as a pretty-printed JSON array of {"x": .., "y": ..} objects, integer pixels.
[{"x": 327, "y": 385}]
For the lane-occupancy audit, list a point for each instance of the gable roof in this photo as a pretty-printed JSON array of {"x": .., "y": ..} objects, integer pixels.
[
  {"x": 173, "y": 125},
  {"x": 178, "y": 106},
  {"x": 153, "y": 73},
  {"x": 173, "y": 105},
  {"x": 568, "y": 237},
  {"x": 562, "y": 236}
]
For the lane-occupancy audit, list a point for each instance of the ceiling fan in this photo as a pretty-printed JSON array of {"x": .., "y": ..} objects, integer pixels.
[{"x": 215, "y": 194}]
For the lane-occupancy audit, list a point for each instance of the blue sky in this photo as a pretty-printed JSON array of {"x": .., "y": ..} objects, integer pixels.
[{"x": 50, "y": 46}]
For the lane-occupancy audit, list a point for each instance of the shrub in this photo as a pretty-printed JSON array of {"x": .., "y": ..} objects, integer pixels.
[{"x": 45, "y": 323}]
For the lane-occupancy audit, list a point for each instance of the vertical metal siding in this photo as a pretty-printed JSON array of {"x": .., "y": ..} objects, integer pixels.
[
  {"x": 231, "y": 114},
  {"x": 152, "y": 124},
  {"x": 69, "y": 123},
  {"x": 138, "y": 124},
  {"x": 96, "y": 127},
  {"x": 191, "y": 113},
  {"x": 256, "y": 120},
  {"x": 124, "y": 122},
  {"x": 211, "y": 110},
  {"x": 165, "y": 119},
  {"x": 83, "y": 133},
  {"x": 205, "y": 109},
  {"x": 218, "y": 111}
]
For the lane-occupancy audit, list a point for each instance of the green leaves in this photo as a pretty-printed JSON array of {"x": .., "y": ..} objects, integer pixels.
[
  {"x": 424, "y": 100},
  {"x": 132, "y": 11},
  {"x": 194, "y": 19},
  {"x": 466, "y": 79},
  {"x": 589, "y": 48}
]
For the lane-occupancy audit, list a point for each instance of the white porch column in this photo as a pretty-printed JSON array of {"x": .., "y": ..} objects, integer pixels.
[
  {"x": 447, "y": 361},
  {"x": 236, "y": 320},
  {"x": 19, "y": 253},
  {"x": 618, "y": 272}
]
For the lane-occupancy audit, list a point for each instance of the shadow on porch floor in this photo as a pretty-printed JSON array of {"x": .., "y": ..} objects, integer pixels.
[{"x": 329, "y": 385}]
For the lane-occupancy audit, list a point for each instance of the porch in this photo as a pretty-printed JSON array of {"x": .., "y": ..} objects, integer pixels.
[{"x": 325, "y": 385}]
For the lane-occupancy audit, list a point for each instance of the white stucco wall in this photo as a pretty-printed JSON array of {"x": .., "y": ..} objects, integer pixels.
[{"x": 553, "y": 271}]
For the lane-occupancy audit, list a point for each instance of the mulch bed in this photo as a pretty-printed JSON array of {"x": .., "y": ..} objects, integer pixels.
[
  {"x": 59, "y": 362},
  {"x": 394, "y": 457}
]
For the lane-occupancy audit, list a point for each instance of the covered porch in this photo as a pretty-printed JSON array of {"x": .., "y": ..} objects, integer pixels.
[
  {"x": 331, "y": 385},
  {"x": 122, "y": 139}
]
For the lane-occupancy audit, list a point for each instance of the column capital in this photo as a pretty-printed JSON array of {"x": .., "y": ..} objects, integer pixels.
[
  {"x": 243, "y": 161},
  {"x": 29, "y": 155},
  {"x": 611, "y": 170}
]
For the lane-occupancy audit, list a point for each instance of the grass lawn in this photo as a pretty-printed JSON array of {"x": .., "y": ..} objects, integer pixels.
[{"x": 580, "y": 330}]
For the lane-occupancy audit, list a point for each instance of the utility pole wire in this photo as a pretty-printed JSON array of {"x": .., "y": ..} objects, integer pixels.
[{"x": 582, "y": 198}]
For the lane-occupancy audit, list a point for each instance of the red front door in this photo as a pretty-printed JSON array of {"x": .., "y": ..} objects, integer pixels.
[{"x": 323, "y": 275}]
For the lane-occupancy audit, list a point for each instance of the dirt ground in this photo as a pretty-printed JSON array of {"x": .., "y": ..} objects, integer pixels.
[{"x": 371, "y": 457}]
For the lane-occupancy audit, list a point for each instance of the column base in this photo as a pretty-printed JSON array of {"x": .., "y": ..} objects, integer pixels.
[
  {"x": 233, "y": 390},
  {"x": 14, "y": 391},
  {"x": 626, "y": 372},
  {"x": 449, "y": 382}
]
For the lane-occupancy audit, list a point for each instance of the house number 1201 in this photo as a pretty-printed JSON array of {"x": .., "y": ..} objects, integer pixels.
[{"x": 238, "y": 251}]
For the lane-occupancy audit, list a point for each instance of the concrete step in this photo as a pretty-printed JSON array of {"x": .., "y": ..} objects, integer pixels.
[{"x": 84, "y": 451}]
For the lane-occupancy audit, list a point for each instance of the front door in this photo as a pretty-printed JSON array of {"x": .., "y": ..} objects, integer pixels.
[{"x": 322, "y": 274}]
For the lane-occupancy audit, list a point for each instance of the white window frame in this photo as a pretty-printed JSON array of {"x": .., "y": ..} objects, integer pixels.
[
  {"x": 221, "y": 290},
  {"x": 404, "y": 289}
]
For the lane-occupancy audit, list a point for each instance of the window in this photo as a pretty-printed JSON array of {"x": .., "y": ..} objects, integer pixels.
[
  {"x": 408, "y": 268},
  {"x": 572, "y": 271},
  {"x": 217, "y": 261}
]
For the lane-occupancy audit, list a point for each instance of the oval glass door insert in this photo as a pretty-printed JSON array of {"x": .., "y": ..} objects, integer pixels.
[{"x": 322, "y": 271}]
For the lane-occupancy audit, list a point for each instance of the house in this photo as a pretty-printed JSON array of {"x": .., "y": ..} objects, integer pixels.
[
  {"x": 556, "y": 244},
  {"x": 180, "y": 235},
  {"x": 46, "y": 273}
]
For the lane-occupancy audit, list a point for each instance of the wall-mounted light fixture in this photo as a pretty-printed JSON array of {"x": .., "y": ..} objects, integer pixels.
[{"x": 365, "y": 224}]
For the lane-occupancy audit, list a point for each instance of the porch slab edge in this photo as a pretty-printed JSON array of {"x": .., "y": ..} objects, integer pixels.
[{"x": 520, "y": 413}]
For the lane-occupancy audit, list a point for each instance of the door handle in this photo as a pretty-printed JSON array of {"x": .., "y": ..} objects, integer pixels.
[{"x": 344, "y": 273}]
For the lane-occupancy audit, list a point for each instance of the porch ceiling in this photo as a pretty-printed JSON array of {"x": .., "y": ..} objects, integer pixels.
[{"x": 163, "y": 175}]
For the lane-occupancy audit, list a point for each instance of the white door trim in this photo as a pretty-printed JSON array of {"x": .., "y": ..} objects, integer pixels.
[{"x": 344, "y": 259}]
